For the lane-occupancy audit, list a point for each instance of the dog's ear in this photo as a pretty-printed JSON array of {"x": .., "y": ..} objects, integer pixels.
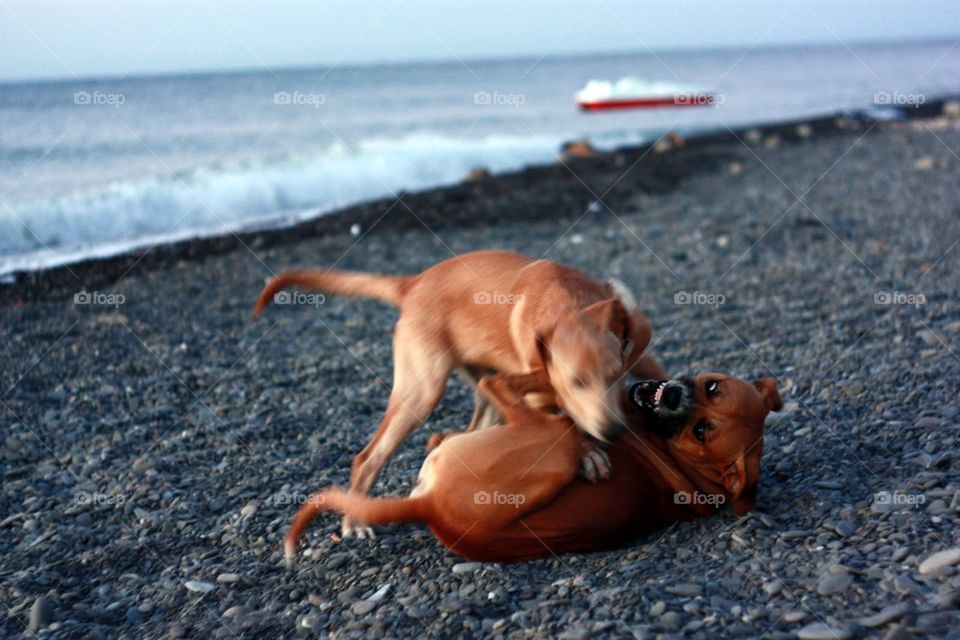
[
  {"x": 743, "y": 498},
  {"x": 768, "y": 391},
  {"x": 613, "y": 315}
]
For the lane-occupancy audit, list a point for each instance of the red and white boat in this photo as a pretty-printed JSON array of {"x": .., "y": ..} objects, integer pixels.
[{"x": 634, "y": 93}]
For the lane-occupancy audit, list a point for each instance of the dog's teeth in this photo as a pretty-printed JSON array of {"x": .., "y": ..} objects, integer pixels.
[{"x": 658, "y": 393}]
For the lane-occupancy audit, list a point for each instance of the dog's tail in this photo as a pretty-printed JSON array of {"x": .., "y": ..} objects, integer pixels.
[
  {"x": 348, "y": 283},
  {"x": 358, "y": 506}
]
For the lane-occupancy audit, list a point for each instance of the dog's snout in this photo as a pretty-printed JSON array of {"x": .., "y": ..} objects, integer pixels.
[{"x": 672, "y": 396}]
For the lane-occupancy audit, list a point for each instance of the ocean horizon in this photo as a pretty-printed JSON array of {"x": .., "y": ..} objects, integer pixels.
[{"x": 94, "y": 167}]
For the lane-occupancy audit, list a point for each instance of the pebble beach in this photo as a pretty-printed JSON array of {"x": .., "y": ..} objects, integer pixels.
[{"x": 156, "y": 441}]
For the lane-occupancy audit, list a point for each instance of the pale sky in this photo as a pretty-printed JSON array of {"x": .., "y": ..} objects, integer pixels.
[{"x": 83, "y": 38}]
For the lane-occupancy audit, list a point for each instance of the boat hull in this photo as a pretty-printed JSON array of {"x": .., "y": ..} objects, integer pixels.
[{"x": 646, "y": 103}]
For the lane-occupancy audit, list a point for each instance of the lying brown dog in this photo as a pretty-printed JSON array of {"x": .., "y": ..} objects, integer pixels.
[
  {"x": 553, "y": 328},
  {"x": 511, "y": 492}
]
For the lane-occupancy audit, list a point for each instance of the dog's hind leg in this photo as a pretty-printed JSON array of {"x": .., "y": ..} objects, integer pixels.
[{"x": 419, "y": 379}]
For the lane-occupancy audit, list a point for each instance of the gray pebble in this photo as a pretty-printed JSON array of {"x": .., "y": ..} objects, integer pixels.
[
  {"x": 198, "y": 586},
  {"x": 41, "y": 613},
  {"x": 363, "y": 607},
  {"x": 312, "y": 622},
  {"x": 940, "y": 560},
  {"x": 134, "y": 616},
  {"x": 821, "y": 631},
  {"x": 897, "y": 632},
  {"x": 671, "y": 619},
  {"x": 772, "y": 587},
  {"x": 686, "y": 589},
  {"x": 467, "y": 567},
  {"x": 834, "y": 583},
  {"x": 337, "y": 560},
  {"x": 886, "y": 615}
]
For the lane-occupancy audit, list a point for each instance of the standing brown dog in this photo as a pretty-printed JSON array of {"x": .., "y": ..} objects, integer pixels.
[
  {"x": 510, "y": 493},
  {"x": 550, "y": 328}
]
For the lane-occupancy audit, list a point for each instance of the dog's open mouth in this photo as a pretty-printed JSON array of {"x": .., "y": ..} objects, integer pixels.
[
  {"x": 648, "y": 393},
  {"x": 665, "y": 403}
]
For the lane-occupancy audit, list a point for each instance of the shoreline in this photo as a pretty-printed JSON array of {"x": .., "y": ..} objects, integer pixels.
[{"x": 673, "y": 160}]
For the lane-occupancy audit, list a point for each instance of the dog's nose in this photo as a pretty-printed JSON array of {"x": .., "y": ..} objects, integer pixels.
[{"x": 672, "y": 396}]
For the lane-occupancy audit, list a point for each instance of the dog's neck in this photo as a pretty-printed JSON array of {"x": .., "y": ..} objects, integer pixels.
[{"x": 653, "y": 451}]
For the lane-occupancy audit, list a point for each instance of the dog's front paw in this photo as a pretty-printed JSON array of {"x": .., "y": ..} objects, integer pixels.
[
  {"x": 359, "y": 530},
  {"x": 595, "y": 464}
]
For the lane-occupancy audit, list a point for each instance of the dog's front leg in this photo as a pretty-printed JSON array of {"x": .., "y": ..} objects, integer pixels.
[{"x": 420, "y": 375}]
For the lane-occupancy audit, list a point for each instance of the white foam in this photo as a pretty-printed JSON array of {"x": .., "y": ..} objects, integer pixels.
[{"x": 210, "y": 201}]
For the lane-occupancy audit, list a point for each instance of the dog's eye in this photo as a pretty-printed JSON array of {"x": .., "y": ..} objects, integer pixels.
[
  {"x": 711, "y": 388},
  {"x": 700, "y": 430}
]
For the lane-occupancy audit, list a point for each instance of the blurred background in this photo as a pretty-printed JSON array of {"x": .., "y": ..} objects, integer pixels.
[{"x": 124, "y": 124}]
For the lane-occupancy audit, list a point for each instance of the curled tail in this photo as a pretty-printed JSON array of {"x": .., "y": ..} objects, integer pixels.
[
  {"x": 349, "y": 283},
  {"x": 358, "y": 506}
]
